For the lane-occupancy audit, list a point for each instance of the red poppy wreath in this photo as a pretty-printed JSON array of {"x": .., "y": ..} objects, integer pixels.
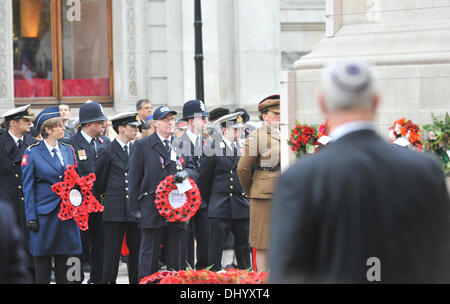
[
  {"x": 77, "y": 199},
  {"x": 173, "y": 205}
]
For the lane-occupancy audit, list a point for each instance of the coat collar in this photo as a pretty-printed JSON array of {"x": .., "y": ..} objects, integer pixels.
[{"x": 48, "y": 157}]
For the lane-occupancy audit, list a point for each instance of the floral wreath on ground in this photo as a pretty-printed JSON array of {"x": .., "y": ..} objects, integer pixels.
[
  {"x": 182, "y": 213},
  {"x": 228, "y": 276},
  {"x": 308, "y": 139},
  {"x": 402, "y": 130},
  {"x": 74, "y": 204}
]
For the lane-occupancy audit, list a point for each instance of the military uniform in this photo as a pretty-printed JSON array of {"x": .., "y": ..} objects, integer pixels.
[
  {"x": 228, "y": 207},
  {"x": 11, "y": 186},
  {"x": 258, "y": 171}
]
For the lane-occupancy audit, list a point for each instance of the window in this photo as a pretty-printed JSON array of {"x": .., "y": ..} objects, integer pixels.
[{"x": 62, "y": 51}]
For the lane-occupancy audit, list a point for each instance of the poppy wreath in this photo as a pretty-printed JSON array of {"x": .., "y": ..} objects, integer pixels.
[
  {"x": 180, "y": 214},
  {"x": 89, "y": 204}
]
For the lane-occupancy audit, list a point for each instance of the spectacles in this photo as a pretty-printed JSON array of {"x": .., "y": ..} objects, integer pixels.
[{"x": 167, "y": 120}]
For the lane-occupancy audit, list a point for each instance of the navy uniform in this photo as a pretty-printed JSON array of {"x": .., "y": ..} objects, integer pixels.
[
  {"x": 86, "y": 150},
  {"x": 150, "y": 163},
  {"x": 112, "y": 185},
  {"x": 228, "y": 207},
  {"x": 49, "y": 236},
  {"x": 11, "y": 187},
  {"x": 192, "y": 145}
]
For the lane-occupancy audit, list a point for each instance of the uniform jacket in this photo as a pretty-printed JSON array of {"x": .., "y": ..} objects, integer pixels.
[
  {"x": 39, "y": 174},
  {"x": 259, "y": 166},
  {"x": 219, "y": 185},
  {"x": 112, "y": 182},
  {"x": 149, "y": 165},
  {"x": 11, "y": 188},
  {"x": 358, "y": 198},
  {"x": 88, "y": 165}
]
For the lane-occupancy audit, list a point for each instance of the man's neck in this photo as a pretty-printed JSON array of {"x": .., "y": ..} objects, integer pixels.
[
  {"x": 16, "y": 133},
  {"x": 167, "y": 136},
  {"x": 88, "y": 133},
  {"x": 123, "y": 139}
]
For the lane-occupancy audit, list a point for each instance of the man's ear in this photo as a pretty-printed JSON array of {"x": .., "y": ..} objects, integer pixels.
[{"x": 322, "y": 104}]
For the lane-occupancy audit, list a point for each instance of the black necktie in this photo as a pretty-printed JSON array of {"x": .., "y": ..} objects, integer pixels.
[
  {"x": 20, "y": 144},
  {"x": 94, "y": 146},
  {"x": 167, "y": 146},
  {"x": 126, "y": 149},
  {"x": 56, "y": 158}
]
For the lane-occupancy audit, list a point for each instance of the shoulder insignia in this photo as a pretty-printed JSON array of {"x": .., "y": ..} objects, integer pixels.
[
  {"x": 33, "y": 145},
  {"x": 65, "y": 144}
]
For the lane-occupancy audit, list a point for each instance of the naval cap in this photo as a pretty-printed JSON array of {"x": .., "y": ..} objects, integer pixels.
[
  {"x": 17, "y": 113},
  {"x": 232, "y": 120}
]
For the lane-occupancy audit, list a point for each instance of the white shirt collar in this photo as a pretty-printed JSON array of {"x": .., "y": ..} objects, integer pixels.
[
  {"x": 162, "y": 138},
  {"x": 50, "y": 148},
  {"x": 350, "y": 127},
  {"x": 191, "y": 136},
  {"x": 16, "y": 139},
  {"x": 122, "y": 144},
  {"x": 87, "y": 137},
  {"x": 228, "y": 142}
]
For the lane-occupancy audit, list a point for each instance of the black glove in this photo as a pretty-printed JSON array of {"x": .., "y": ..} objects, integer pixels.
[
  {"x": 33, "y": 225},
  {"x": 180, "y": 176}
]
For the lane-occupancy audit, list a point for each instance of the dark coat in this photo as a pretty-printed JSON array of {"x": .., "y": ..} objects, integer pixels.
[
  {"x": 11, "y": 188},
  {"x": 358, "y": 198},
  {"x": 145, "y": 173},
  {"x": 13, "y": 260},
  {"x": 112, "y": 182},
  {"x": 86, "y": 166},
  {"x": 220, "y": 187}
]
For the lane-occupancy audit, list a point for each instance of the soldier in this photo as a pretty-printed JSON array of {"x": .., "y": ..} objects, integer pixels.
[
  {"x": 192, "y": 142},
  {"x": 86, "y": 143},
  {"x": 13, "y": 143},
  {"x": 258, "y": 170},
  {"x": 112, "y": 184},
  {"x": 228, "y": 207},
  {"x": 154, "y": 159}
]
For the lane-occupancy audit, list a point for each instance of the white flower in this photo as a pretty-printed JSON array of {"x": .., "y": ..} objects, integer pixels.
[
  {"x": 432, "y": 135},
  {"x": 398, "y": 128},
  {"x": 392, "y": 136}
]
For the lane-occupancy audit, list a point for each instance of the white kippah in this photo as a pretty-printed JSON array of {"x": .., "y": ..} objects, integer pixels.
[{"x": 347, "y": 81}]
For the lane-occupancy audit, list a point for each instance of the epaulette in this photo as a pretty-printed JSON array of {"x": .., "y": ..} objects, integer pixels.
[
  {"x": 66, "y": 144},
  {"x": 33, "y": 145}
]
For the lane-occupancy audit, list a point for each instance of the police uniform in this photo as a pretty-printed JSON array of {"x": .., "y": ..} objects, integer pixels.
[
  {"x": 86, "y": 150},
  {"x": 258, "y": 170},
  {"x": 198, "y": 227},
  {"x": 11, "y": 186},
  {"x": 150, "y": 163},
  {"x": 112, "y": 185},
  {"x": 49, "y": 236},
  {"x": 228, "y": 208}
]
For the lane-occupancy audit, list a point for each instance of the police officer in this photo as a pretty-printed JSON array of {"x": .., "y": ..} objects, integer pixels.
[
  {"x": 152, "y": 160},
  {"x": 191, "y": 143},
  {"x": 13, "y": 143},
  {"x": 258, "y": 170},
  {"x": 112, "y": 184},
  {"x": 43, "y": 165},
  {"x": 87, "y": 142},
  {"x": 228, "y": 207}
]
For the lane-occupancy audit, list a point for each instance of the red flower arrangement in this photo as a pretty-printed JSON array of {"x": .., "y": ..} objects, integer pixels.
[
  {"x": 323, "y": 129},
  {"x": 73, "y": 204},
  {"x": 230, "y": 276},
  {"x": 407, "y": 130},
  {"x": 304, "y": 139},
  {"x": 182, "y": 213}
]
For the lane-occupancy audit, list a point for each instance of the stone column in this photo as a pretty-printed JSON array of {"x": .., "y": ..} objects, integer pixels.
[{"x": 6, "y": 57}]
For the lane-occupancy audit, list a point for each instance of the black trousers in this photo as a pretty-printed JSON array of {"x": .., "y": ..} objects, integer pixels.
[
  {"x": 114, "y": 233},
  {"x": 198, "y": 227},
  {"x": 218, "y": 236},
  {"x": 150, "y": 249},
  {"x": 43, "y": 269},
  {"x": 96, "y": 236}
]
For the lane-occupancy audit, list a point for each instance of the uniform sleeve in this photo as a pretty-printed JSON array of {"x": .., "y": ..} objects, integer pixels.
[
  {"x": 206, "y": 176},
  {"x": 102, "y": 169},
  {"x": 247, "y": 161},
  {"x": 135, "y": 175},
  {"x": 28, "y": 178}
]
